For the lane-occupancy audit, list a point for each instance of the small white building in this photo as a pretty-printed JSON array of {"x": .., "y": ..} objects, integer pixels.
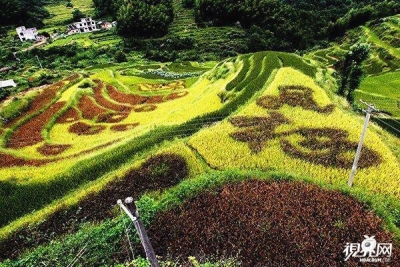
[
  {"x": 7, "y": 83},
  {"x": 27, "y": 34},
  {"x": 85, "y": 25}
]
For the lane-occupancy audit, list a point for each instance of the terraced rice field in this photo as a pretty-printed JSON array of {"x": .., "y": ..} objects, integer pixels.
[
  {"x": 293, "y": 126},
  {"x": 252, "y": 149}
]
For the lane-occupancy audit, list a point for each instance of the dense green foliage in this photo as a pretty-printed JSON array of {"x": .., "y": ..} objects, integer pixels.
[
  {"x": 107, "y": 8},
  {"x": 22, "y": 12},
  {"x": 290, "y": 25},
  {"x": 139, "y": 18},
  {"x": 136, "y": 17},
  {"x": 350, "y": 70}
]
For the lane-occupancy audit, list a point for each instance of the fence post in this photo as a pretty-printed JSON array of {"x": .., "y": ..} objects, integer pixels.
[{"x": 133, "y": 214}]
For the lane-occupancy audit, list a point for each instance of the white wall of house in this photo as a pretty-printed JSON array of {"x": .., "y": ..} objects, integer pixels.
[
  {"x": 27, "y": 34},
  {"x": 7, "y": 83},
  {"x": 85, "y": 25}
]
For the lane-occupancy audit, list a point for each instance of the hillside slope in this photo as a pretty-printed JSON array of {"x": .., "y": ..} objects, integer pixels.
[{"x": 271, "y": 122}]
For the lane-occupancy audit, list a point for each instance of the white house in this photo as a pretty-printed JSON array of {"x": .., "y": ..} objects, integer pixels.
[
  {"x": 7, "y": 83},
  {"x": 85, "y": 25},
  {"x": 27, "y": 34}
]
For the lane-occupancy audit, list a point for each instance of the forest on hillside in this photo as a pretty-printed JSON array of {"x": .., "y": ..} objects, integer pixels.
[
  {"x": 286, "y": 25},
  {"x": 22, "y": 12}
]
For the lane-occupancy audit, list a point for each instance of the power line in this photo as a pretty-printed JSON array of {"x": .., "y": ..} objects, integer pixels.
[{"x": 387, "y": 124}]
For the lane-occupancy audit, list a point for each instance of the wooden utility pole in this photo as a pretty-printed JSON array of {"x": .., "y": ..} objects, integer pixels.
[
  {"x": 133, "y": 214},
  {"x": 370, "y": 109}
]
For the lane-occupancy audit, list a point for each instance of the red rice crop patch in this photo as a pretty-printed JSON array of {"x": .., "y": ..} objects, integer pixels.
[
  {"x": 120, "y": 97},
  {"x": 268, "y": 224},
  {"x": 328, "y": 146},
  {"x": 157, "y": 173},
  {"x": 89, "y": 108},
  {"x": 81, "y": 128},
  {"x": 45, "y": 97},
  {"x": 257, "y": 130},
  {"x": 30, "y": 133},
  {"x": 52, "y": 150},
  {"x": 294, "y": 95},
  {"x": 177, "y": 95},
  {"x": 123, "y": 127},
  {"x": 72, "y": 77},
  {"x": 112, "y": 117},
  {"x": 106, "y": 103},
  {"x": 156, "y": 99},
  {"x": 70, "y": 115},
  {"x": 8, "y": 161},
  {"x": 146, "y": 108}
]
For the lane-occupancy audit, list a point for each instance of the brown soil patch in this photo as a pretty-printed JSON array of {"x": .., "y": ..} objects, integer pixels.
[
  {"x": 81, "y": 128},
  {"x": 268, "y": 224},
  {"x": 146, "y": 108},
  {"x": 52, "y": 150},
  {"x": 112, "y": 117},
  {"x": 45, "y": 97},
  {"x": 70, "y": 115},
  {"x": 30, "y": 133},
  {"x": 101, "y": 100},
  {"x": 123, "y": 127}
]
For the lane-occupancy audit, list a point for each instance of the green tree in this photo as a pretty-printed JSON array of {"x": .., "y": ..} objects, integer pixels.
[
  {"x": 22, "y": 12},
  {"x": 120, "y": 57},
  {"x": 77, "y": 15},
  {"x": 144, "y": 18},
  {"x": 350, "y": 70}
]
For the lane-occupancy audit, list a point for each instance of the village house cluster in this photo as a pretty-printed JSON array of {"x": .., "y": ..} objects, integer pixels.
[{"x": 83, "y": 26}]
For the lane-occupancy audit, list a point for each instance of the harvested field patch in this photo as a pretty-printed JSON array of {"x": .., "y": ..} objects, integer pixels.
[
  {"x": 287, "y": 223},
  {"x": 52, "y": 150},
  {"x": 7, "y": 161},
  {"x": 101, "y": 100},
  {"x": 146, "y": 108},
  {"x": 157, "y": 173},
  {"x": 123, "y": 127},
  {"x": 81, "y": 128},
  {"x": 89, "y": 108},
  {"x": 70, "y": 115},
  {"x": 30, "y": 133},
  {"x": 48, "y": 93},
  {"x": 294, "y": 96}
]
